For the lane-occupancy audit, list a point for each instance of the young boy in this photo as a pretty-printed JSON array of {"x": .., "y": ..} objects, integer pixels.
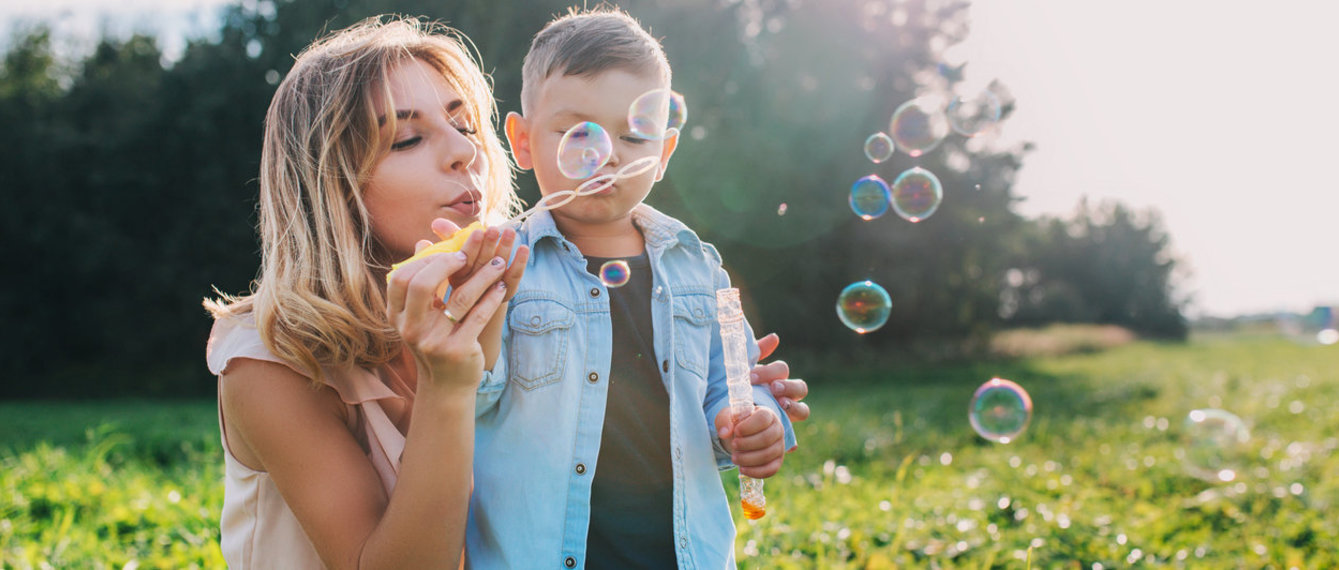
[{"x": 602, "y": 429}]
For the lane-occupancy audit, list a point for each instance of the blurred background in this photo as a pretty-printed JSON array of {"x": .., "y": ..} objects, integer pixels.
[{"x": 131, "y": 139}]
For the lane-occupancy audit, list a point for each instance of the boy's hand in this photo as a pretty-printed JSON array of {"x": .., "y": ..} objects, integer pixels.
[
  {"x": 756, "y": 444},
  {"x": 775, "y": 375}
]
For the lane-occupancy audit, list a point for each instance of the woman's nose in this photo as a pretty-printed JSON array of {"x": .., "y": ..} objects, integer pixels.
[{"x": 460, "y": 152}]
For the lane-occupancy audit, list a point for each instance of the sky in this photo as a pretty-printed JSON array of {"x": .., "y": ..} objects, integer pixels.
[{"x": 1219, "y": 114}]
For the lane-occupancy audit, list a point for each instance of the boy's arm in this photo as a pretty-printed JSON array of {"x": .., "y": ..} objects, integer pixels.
[{"x": 718, "y": 397}]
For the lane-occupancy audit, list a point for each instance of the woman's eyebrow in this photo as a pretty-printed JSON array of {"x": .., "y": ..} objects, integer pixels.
[{"x": 400, "y": 115}]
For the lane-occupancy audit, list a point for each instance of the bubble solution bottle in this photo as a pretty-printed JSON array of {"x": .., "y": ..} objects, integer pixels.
[{"x": 735, "y": 347}]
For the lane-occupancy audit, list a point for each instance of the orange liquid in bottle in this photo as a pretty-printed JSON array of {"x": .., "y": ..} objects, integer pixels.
[{"x": 752, "y": 512}]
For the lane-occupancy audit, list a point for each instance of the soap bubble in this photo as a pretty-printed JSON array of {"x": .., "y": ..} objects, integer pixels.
[
  {"x": 615, "y": 273},
  {"x": 878, "y": 148},
  {"x": 678, "y": 112},
  {"x": 781, "y": 210},
  {"x": 869, "y": 197},
  {"x": 918, "y": 126},
  {"x": 863, "y": 306},
  {"x": 1327, "y": 336},
  {"x": 583, "y": 149},
  {"x": 916, "y": 194},
  {"x": 1000, "y": 410},
  {"x": 1215, "y": 443},
  {"x": 973, "y": 115}
]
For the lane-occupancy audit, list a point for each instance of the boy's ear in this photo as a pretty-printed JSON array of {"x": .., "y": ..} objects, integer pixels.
[
  {"x": 518, "y": 138},
  {"x": 671, "y": 143}
]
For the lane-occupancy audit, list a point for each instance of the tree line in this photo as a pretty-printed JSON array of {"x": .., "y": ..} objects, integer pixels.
[{"x": 130, "y": 184}]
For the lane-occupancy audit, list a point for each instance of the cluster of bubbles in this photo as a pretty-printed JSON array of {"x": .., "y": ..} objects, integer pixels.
[
  {"x": 917, "y": 127},
  {"x": 586, "y": 148},
  {"x": 1000, "y": 410},
  {"x": 1213, "y": 445}
]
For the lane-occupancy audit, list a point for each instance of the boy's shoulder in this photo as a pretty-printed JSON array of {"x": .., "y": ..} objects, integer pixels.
[{"x": 663, "y": 231}]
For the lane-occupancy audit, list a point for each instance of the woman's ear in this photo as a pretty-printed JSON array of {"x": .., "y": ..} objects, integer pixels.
[{"x": 518, "y": 138}]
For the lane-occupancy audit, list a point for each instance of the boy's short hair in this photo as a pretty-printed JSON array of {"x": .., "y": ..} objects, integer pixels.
[{"x": 588, "y": 42}]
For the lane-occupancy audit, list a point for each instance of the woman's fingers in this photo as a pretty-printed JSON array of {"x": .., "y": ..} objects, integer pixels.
[
  {"x": 466, "y": 295},
  {"x": 472, "y": 324},
  {"x": 421, "y": 290},
  {"x": 444, "y": 228}
]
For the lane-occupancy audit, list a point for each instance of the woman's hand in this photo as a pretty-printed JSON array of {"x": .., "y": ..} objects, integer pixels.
[
  {"x": 444, "y": 337},
  {"x": 480, "y": 247},
  {"x": 788, "y": 392}
]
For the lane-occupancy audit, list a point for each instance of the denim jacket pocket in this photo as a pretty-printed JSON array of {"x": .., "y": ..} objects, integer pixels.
[
  {"x": 694, "y": 316},
  {"x": 539, "y": 335}
]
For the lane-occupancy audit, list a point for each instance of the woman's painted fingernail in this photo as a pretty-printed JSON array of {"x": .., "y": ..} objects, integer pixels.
[
  {"x": 778, "y": 386},
  {"x": 497, "y": 261}
]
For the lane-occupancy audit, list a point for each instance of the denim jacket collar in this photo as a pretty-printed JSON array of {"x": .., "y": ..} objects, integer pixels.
[{"x": 660, "y": 231}]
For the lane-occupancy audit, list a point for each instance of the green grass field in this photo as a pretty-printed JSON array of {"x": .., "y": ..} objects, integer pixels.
[{"x": 889, "y": 473}]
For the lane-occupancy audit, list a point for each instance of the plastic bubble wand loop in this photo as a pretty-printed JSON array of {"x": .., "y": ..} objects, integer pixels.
[
  {"x": 734, "y": 344},
  {"x": 561, "y": 198}
]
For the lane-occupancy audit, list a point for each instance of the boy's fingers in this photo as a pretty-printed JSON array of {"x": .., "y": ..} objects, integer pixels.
[
  {"x": 762, "y": 374},
  {"x": 764, "y": 471},
  {"x": 796, "y": 411},
  {"x": 420, "y": 244},
  {"x": 767, "y": 344}
]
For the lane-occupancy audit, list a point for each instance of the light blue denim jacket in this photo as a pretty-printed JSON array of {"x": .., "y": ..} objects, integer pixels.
[{"x": 541, "y": 409}]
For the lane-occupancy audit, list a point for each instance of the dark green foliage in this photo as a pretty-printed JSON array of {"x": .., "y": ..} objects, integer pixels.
[{"x": 130, "y": 182}]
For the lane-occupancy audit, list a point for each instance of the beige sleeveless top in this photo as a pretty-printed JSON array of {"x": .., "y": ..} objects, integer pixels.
[{"x": 259, "y": 530}]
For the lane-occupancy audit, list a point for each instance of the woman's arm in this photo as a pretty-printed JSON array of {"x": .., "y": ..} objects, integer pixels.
[{"x": 276, "y": 422}]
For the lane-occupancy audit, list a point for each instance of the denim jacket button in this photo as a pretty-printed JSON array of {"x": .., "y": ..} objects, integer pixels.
[
  {"x": 581, "y": 469},
  {"x": 683, "y": 541},
  {"x": 594, "y": 292},
  {"x": 593, "y": 377},
  {"x": 534, "y": 320},
  {"x": 570, "y": 562},
  {"x": 664, "y": 365}
]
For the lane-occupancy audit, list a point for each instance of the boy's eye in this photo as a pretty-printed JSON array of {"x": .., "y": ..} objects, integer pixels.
[
  {"x": 634, "y": 139},
  {"x": 406, "y": 143}
]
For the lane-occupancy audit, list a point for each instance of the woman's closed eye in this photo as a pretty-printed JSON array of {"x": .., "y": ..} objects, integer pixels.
[{"x": 406, "y": 143}]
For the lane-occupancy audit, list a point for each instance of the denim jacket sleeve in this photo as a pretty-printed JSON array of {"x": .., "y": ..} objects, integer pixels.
[
  {"x": 492, "y": 383},
  {"x": 718, "y": 392}
]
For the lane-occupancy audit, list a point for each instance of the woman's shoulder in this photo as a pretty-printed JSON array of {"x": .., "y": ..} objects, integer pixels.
[{"x": 235, "y": 336}]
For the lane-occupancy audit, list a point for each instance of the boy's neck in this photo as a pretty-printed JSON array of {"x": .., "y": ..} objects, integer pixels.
[{"x": 619, "y": 238}]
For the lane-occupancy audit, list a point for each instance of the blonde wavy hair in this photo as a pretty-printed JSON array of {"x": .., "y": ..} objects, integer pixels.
[{"x": 320, "y": 298}]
